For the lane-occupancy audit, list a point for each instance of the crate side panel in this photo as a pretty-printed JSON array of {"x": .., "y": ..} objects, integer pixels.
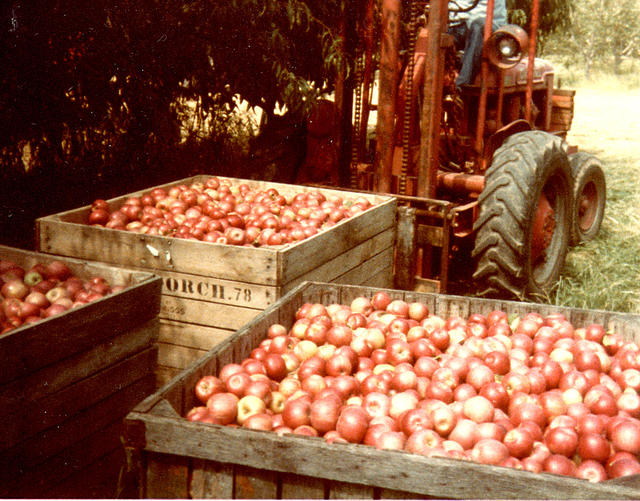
[
  {"x": 334, "y": 268},
  {"x": 56, "y": 408},
  {"x": 38, "y": 481},
  {"x": 209, "y": 288},
  {"x": 394, "y": 470},
  {"x": 35, "y": 450},
  {"x": 32, "y": 347},
  {"x": 254, "y": 483},
  {"x": 57, "y": 376},
  {"x": 309, "y": 254}
]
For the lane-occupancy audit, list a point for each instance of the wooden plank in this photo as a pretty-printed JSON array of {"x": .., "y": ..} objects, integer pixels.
[
  {"x": 405, "y": 258},
  {"x": 27, "y": 455},
  {"x": 165, "y": 374},
  {"x": 98, "y": 480},
  {"x": 207, "y": 288},
  {"x": 302, "y": 487},
  {"x": 178, "y": 357},
  {"x": 124, "y": 248},
  {"x": 223, "y": 316},
  {"x": 74, "y": 368},
  {"x": 383, "y": 279},
  {"x": 362, "y": 273},
  {"x": 335, "y": 269},
  {"x": 211, "y": 480},
  {"x": 52, "y": 410},
  {"x": 347, "y": 490},
  {"x": 254, "y": 483},
  {"x": 167, "y": 477},
  {"x": 37, "y": 481},
  {"x": 192, "y": 335},
  {"x": 308, "y": 254}
]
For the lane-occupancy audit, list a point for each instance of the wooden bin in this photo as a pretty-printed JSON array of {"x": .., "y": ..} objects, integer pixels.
[
  {"x": 172, "y": 457},
  {"x": 210, "y": 290},
  {"x": 67, "y": 382}
]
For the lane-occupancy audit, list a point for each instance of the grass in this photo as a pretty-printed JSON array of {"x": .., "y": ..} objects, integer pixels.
[{"x": 605, "y": 273}]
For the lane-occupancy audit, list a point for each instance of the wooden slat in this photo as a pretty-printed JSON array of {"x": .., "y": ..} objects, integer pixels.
[
  {"x": 302, "y": 487},
  {"x": 35, "y": 450},
  {"x": 437, "y": 477},
  {"x": 211, "y": 480},
  {"x": 167, "y": 477},
  {"x": 362, "y": 273},
  {"x": 208, "y": 288},
  {"x": 335, "y": 269},
  {"x": 57, "y": 407},
  {"x": 222, "y": 316},
  {"x": 310, "y": 253},
  {"x": 192, "y": 335},
  {"x": 254, "y": 483},
  {"x": 178, "y": 357},
  {"x": 347, "y": 490},
  {"x": 98, "y": 480},
  {"x": 55, "y": 377},
  {"x": 38, "y": 481}
]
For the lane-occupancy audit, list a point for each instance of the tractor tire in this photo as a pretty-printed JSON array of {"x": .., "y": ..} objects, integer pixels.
[
  {"x": 589, "y": 197},
  {"x": 524, "y": 219}
]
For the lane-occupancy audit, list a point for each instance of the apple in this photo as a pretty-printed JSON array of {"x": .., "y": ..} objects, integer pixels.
[
  {"x": 489, "y": 451},
  {"x": 223, "y": 407},
  {"x": 478, "y": 409},
  {"x": 403, "y": 401},
  {"x": 324, "y": 413},
  {"x": 561, "y": 440},
  {"x": 625, "y": 436},
  {"x": 259, "y": 421},
  {"x": 352, "y": 423},
  {"x": 207, "y": 386}
]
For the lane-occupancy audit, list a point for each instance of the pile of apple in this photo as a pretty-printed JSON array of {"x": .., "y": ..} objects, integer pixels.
[
  {"x": 42, "y": 291},
  {"x": 216, "y": 211},
  {"x": 534, "y": 393}
]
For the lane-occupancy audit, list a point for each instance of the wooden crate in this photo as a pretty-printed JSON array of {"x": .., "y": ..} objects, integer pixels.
[
  {"x": 562, "y": 110},
  {"x": 172, "y": 457},
  {"x": 211, "y": 290},
  {"x": 72, "y": 378}
]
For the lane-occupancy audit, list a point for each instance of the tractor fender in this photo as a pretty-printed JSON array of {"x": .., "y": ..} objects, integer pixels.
[{"x": 497, "y": 138}]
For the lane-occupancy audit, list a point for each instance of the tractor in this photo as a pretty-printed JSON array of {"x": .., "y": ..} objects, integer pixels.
[{"x": 490, "y": 193}]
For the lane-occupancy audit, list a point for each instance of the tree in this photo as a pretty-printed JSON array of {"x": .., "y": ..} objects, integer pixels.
[
  {"x": 92, "y": 93},
  {"x": 602, "y": 31}
]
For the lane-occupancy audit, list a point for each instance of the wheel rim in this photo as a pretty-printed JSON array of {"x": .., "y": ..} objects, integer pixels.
[
  {"x": 546, "y": 238},
  {"x": 543, "y": 227},
  {"x": 587, "y": 207}
]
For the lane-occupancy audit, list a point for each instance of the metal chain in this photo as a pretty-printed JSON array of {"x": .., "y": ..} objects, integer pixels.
[{"x": 408, "y": 103}]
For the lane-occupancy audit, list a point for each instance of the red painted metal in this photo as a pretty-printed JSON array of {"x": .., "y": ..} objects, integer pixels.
[
  {"x": 428, "y": 159},
  {"x": 482, "y": 105},
  {"x": 391, "y": 20},
  {"x": 543, "y": 228},
  {"x": 533, "y": 34}
]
